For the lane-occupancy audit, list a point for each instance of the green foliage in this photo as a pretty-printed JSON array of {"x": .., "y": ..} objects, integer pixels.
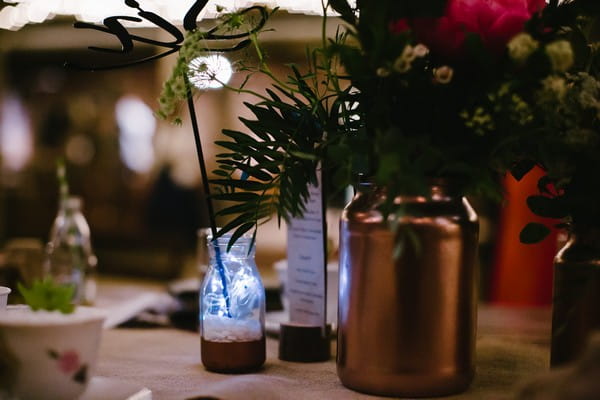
[
  {"x": 47, "y": 295},
  {"x": 268, "y": 172},
  {"x": 534, "y": 233},
  {"x": 376, "y": 101},
  {"x": 522, "y": 168}
]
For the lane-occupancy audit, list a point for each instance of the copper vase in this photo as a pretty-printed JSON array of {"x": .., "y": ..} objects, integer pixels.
[
  {"x": 407, "y": 323},
  {"x": 576, "y": 299}
]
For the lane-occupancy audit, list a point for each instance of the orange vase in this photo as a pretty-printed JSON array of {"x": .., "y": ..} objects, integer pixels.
[{"x": 522, "y": 273}]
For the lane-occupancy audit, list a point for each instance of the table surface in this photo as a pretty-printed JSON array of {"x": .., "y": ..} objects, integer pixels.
[{"x": 512, "y": 346}]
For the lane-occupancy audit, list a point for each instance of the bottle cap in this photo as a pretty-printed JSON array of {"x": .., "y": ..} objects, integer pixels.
[{"x": 302, "y": 343}]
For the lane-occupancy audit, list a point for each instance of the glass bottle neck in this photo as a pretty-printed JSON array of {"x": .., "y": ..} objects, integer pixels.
[
  {"x": 71, "y": 205},
  {"x": 240, "y": 250}
]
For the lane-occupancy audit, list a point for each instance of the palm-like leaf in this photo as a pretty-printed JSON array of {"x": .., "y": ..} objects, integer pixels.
[{"x": 266, "y": 173}]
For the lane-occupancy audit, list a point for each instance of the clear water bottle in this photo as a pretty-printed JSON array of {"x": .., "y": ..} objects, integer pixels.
[
  {"x": 70, "y": 259},
  {"x": 232, "y": 309}
]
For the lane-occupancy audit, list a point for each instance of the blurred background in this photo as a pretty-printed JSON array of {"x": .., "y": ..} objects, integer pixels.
[{"x": 139, "y": 177}]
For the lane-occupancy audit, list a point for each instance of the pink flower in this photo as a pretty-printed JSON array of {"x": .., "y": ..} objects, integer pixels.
[
  {"x": 68, "y": 362},
  {"x": 495, "y": 21}
]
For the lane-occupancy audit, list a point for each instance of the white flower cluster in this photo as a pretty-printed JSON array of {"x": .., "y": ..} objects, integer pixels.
[
  {"x": 553, "y": 87},
  {"x": 521, "y": 47},
  {"x": 560, "y": 52},
  {"x": 561, "y": 55},
  {"x": 403, "y": 63}
]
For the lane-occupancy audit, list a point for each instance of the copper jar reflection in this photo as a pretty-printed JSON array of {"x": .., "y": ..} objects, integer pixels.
[{"x": 406, "y": 325}]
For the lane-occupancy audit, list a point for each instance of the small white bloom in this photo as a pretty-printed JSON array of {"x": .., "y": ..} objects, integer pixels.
[
  {"x": 556, "y": 86},
  {"x": 561, "y": 55},
  {"x": 443, "y": 74},
  {"x": 521, "y": 47},
  {"x": 420, "y": 50},
  {"x": 408, "y": 53},
  {"x": 383, "y": 72},
  {"x": 404, "y": 61}
]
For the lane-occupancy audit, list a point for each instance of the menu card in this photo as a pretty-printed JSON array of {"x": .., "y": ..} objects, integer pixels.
[{"x": 307, "y": 262}]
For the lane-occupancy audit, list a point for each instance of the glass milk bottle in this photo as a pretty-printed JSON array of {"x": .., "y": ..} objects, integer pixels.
[
  {"x": 232, "y": 308},
  {"x": 70, "y": 259}
]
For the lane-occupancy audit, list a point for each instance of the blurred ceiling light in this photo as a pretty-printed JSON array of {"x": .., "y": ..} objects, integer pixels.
[
  {"x": 137, "y": 126},
  {"x": 18, "y": 13},
  {"x": 210, "y": 72},
  {"x": 16, "y": 139}
]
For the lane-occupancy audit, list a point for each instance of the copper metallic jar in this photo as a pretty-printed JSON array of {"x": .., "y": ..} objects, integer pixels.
[
  {"x": 407, "y": 325},
  {"x": 576, "y": 299}
]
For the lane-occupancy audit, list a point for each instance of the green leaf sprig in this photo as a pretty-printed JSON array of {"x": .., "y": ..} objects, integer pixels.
[{"x": 47, "y": 295}]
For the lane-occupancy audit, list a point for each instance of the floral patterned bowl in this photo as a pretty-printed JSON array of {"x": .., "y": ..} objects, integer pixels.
[{"x": 47, "y": 355}]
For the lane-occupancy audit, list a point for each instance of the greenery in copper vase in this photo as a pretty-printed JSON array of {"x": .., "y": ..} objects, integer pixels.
[{"x": 47, "y": 295}]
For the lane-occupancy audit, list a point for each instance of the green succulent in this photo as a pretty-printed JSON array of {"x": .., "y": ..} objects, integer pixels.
[{"x": 47, "y": 295}]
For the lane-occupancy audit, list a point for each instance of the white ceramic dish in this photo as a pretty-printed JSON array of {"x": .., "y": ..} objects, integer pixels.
[
  {"x": 4, "y": 292},
  {"x": 101, "y": 388},
  {"x": 48, "y": 355}
]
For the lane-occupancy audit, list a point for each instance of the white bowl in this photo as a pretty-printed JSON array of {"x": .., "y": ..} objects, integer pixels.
[
  {"x": 47, "y": 355},
  {"x": 4, "y": 292}
]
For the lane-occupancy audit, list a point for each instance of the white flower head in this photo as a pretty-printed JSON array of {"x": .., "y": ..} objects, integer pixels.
[
  {"x": 408, "y": 53},
  {"x": 404, "y": 61},
  {"x": 521, "y": 47},
  {"x": 383, "y": 72},
  {"x": 555, "y": 86},
  {"x": 420, "y": 51},
  {"x": 561, "y": 55},
  {"x": 443, "y": 74}
]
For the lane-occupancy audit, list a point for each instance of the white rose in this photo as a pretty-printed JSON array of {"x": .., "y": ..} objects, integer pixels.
[{"x": 420, "y": 50}]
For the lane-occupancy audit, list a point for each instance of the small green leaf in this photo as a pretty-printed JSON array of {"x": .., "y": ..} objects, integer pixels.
[
  {"x": 46, "y": 295},
  {"x": 303, "y": 156},
  {"x": 237, "y": 196},
  {"x": 241, "y": 184},
  {"x": 519, "y": 170},
  {"x": 534, "y": 233},
  {"x": 548, "y": 207},
  {"x": 239, "y": 232},
  {"x": 543, "y": 184}
]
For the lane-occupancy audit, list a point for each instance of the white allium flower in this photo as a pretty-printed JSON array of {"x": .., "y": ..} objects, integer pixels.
[
  {"x": 420, "y": 50},
  {"x": 521, "y": 47},
  {"x": 561, "y": 55},
  {"x": 443, "y": 74},
  {"x": 555, "y": 86}
]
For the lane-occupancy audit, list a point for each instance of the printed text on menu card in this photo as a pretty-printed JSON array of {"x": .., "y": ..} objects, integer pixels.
[{"x": 306, "y": 263}]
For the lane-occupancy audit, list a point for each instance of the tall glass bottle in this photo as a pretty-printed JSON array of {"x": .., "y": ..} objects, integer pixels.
[
  {"x": 232, "y": 309},
  {"x": 70, "y": 259}
]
